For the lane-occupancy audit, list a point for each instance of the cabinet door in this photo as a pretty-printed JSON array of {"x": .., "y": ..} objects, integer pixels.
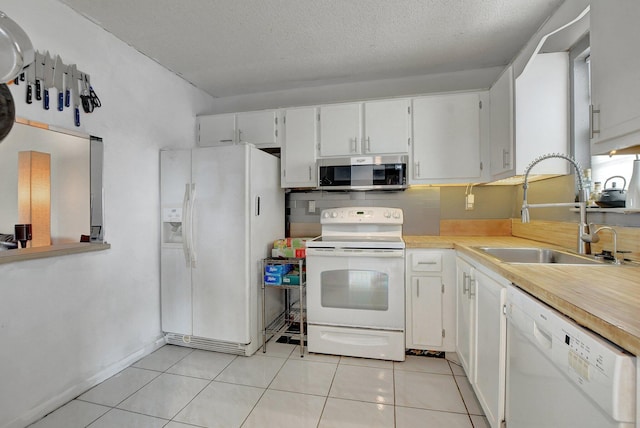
[
  {"x": 490, "y": 348},
  {"x": 216, "y": 129},
  {"x": 259, "y": 128},
  {"x": 446, "y": 138},
  {"x": 340, "y": 129},
  {"x": 298, "y": 150},
  {"x": 426, "y": 309},
  {"x": 502, "y": 98},
  {"x": 465, "y": 331},
  {"x": 615, "y": 79},
  {"x": 542, "y": 113},
  {"x": 386, "y": 125}
]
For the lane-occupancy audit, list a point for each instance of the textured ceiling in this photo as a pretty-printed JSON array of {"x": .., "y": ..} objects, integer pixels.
[{"x": 233, "y": 47}]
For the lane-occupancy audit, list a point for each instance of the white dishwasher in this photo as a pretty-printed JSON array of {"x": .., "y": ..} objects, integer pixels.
[{"x": 560, "y": 375}]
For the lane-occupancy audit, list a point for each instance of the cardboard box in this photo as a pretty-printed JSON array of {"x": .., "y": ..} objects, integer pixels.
[
  {"x": 298, "y": 253},
  {"x": 292, "y": 278},
  {"x": 290, "y": 243}
]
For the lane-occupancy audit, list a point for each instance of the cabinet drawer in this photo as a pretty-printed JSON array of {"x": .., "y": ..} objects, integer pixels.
[{"x": 426, "y": 262}]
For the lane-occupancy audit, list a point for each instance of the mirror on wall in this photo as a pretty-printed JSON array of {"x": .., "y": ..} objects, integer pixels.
[{"x": 74, "y": 172}]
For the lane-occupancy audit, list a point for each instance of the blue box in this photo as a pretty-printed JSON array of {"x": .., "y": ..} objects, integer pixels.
[
  {"x": 273, "y": 279},
  {"x": 279, "y": 269}
]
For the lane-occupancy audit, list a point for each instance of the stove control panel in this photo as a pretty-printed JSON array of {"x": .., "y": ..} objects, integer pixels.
[{"x": 372, "y": 215}]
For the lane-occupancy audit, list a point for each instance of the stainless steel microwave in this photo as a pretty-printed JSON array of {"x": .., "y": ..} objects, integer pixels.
[{"x": 363, "y": 173}]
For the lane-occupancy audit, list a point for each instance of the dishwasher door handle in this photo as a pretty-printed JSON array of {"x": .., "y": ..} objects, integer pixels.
[{"x": 543, "y": 338}]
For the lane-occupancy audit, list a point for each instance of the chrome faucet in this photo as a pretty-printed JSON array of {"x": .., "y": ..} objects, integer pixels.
[
  {"x": 583, "y": 246},
  {"x": 594, "y": 237}
]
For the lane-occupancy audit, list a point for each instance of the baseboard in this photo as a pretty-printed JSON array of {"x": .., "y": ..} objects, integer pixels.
[{"x": 80, "y": 388}]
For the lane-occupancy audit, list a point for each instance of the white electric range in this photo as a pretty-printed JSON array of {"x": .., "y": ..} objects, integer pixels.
[{"x": 355, "y": 284}]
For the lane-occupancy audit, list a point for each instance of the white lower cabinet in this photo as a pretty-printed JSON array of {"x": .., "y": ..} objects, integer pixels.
[
  {"x": 491, "y": 330},
  {"x": 430, "y": 300},
  {"x": 481, "y": 335},
  {"x": 465, "y": 310}
]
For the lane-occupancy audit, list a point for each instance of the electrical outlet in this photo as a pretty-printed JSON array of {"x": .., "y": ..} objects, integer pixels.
[
  {"x": 312, "y": 206},
  {"x": 468, "y": 202}
]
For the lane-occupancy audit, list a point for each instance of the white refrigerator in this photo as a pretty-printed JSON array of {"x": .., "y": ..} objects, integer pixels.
[{"x": 222, "y": 207}]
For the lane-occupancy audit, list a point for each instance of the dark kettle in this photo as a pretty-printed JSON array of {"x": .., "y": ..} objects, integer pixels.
[{"x": 613, "y": 197}]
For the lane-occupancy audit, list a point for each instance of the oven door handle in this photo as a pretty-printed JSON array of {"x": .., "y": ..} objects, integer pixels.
[{"x": 354, "y": 252}]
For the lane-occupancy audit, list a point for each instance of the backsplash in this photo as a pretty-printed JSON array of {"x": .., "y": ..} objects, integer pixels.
[
  {"x": 565, "y": 234},
  {"x": 426, "y": 208},
  {"x": 421, "y": 207}
]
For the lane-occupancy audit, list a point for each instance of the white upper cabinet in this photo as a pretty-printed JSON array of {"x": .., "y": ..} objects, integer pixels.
[
  {"x": 340, "y": 129},
  {"x": 447, "y": 139},
  {"x": 615, "y": 75},
  {"x": 502, "y": 101},
  {"x": 386, "y": 126},
  {"x": 216, "y": 129},
  {"x": 256, "y": 127},
  {"x": 542, "y": 113},
  {"x": 374, "y": 127},
  {"x": 298, "y": 166}
]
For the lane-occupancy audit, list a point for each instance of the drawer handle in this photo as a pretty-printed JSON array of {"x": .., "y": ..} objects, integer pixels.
[{"x": 427, "y": 263}]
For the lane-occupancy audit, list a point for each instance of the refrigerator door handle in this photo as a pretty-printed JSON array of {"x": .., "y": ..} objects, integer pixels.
[
  {"x": 192, "y": 206},
  {"x": 185, "y": 225},
  {"x": 257, "y": 206}
]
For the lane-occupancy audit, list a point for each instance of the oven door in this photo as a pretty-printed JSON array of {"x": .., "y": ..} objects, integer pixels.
[{"x": 356, "y": 287}]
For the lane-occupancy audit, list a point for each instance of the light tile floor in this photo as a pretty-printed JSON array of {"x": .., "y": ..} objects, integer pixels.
[{"x": 179, "y": 387}]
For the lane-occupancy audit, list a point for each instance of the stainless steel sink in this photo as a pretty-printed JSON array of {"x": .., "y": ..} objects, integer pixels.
[{"x": 538, "y": 255}]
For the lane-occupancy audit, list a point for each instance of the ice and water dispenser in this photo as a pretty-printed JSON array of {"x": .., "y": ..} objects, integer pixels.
[{"x": 172, "y": 225}]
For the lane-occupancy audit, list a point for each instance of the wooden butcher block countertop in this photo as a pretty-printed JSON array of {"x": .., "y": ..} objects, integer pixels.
[{"x": 604, "y": 298}]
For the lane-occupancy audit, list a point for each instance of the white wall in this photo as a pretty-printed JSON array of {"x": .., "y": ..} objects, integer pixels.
[{"x": 68, "y": 322}]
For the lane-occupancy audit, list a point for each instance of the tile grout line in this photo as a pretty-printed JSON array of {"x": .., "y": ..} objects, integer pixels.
[
  {"x": 161, "y": 373},
  {"x": 265, "y": 389},
  {"x": 326, "y": 399},
  {"x": 193, "y": 377},
  {"x": 461, "y": 396},
  {"x": 395, "y": 399}
]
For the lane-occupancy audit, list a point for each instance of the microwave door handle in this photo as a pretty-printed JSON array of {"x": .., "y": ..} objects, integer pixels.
[{"x": 257, "y": 206}]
